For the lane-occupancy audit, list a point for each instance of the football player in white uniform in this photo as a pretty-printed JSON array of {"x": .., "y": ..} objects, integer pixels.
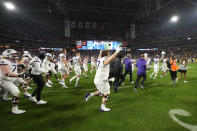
[
  {"x": 63, "y": 68},
  {"x": 85, "y": 66},
  {"x": 37, "y": 72},
  {"x": 156, "y": 67},
  {"x": 8, "y": 77},
  {"x": 93, "y": 64},
  {"x": 77, "y": 68},
  {"x": 164, "y": 67},
  {"x": 148, "y": 64},
  {"x": 28, "y": 62},
  {"x": 101, "y": 78},
  {"x": 133, "y": 62},
  {"x": 48, "y": 64}
]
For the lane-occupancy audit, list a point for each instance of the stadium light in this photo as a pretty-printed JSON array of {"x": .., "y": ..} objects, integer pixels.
[
  {"x": 9, "y": 6},
  {"x": 189, "y": 38},
  {"x": 174, "y": 19}
]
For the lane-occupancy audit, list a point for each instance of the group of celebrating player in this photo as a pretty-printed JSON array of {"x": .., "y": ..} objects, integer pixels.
[{"x": 18, "y": 71}]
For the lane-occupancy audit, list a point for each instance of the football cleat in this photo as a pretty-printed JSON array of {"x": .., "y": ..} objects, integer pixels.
[
  {"x": 185, "y": 81},
  {"x": 131, "y": 82},
  {"x": 41, "y": 102},
  {"x": 141, "y": 86},
  {"x": 17, "y": 111},
  {"x": 27, "y": 95},
  {"x": 6, "y": 99},
  {"x": 134, "y": 89},
  {"x": 33, "y": 99},
  {"x": 48, "y": 85},
  {"x": 64, "y": 86},
  {"x": 87, "y": 97},
  {"x": 104, "y": 109},
  {"x": 50, "y": 82}
]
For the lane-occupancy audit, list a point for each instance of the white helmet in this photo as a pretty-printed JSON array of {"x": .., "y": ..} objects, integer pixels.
[
  {"x": 49, "y": 54},
  {"x": 9, "y": 53},
  {"x": 27, "y": 54}
]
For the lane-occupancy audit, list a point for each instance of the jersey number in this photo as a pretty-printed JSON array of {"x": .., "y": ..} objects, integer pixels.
[
  {"x": 98, "y": 63},
  {"x": 14, "y": 68}
]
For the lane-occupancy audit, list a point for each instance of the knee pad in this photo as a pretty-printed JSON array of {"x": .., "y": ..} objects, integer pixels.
[{"x": 15, "y": 100}]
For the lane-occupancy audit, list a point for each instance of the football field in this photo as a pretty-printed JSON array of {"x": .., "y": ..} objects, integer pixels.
[{"x": 160, "y": 107}]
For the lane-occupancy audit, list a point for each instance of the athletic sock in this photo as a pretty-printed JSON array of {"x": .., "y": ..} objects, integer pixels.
[
  {"x": 73, "y": 78},
  {"x": 102, "y": 105},
  {"x": 77, "y": 81},
  {"x": 92, "y": 94}
]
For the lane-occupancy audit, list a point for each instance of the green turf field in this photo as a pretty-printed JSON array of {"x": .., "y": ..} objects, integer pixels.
[{"x": 146, "y": 110}]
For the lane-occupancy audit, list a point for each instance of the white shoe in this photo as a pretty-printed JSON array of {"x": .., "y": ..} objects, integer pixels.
[
  {"x": 50, "y": 82},
  {"x": 161, "y": 76},
  {"x": 141, "y": 86},
  {"x": 185, "y": 81},
  {"x": 104, "y": 109},
  {"x": 177, "y": 79},
  {"x": 64, "y": 86},
  {"x": 48, "y": 85},
  {"x": 6, "y": 99},
  {"x": 122, "y": 84},
  {"x": 41, "y": 102},
  {"x": 33, "y": 99},
  {"x": 132, "y": 82},
  {"x": 16, "y": 111},
  {"x": 154, "y": 78},
  {"x": 28, "y": 88},
  {"x": 27, "y": 95}
]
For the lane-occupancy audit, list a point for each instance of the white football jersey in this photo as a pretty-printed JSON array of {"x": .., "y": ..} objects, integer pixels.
[
  {"x": 156, "y": 62},
  {"x": 148, "y": 61},
  {"x": 85, "y": 62},
  {"x": 164, "y": 62},
  {"x": 76, "y": 60},
  {"x": 60, "y": 62},
  {"x": 37, "y": 70},
  {"x": 102, "y": 70}
]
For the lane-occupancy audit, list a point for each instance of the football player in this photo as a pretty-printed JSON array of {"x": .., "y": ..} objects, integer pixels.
[
  {"x": 8, "y": 77},
  {"x": 85, "y": 66},
  {"x": 77, "y": 68},
  {"x": 156, "y": 67},
  {"x": 93, "y": 64},
  {"x": 37, "y": 72},
  {"x": 63, "y": 68},
  {"x": 101, "y": 78}
]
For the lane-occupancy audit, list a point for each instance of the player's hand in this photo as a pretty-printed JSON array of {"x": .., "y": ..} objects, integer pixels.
[{"x": 118, "y": 50}]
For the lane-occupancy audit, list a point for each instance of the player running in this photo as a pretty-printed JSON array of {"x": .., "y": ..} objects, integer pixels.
[
  {"x": 63, "y": 68},
  {"x": 8, "y": 77},
  {"x": 101, "y": 78},
  {"x": 93, "y": 64},
  {"x": 156, "y": 67},
  {"x": 77, "y": 68},
  {"x": 85, "y": 66}
]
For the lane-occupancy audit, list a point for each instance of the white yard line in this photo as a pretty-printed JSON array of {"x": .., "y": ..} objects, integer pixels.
[{"x": 121, "y": 87}]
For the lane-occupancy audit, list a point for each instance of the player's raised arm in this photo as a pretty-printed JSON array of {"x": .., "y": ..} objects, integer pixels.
[
  {"x": 112, "y": 57},
  {"x": 100, "y": 54}
]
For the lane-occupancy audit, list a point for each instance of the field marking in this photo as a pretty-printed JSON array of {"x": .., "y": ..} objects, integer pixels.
[
  {"x": 181, "y": 112},
  {"x": 121, "y": 87}
]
